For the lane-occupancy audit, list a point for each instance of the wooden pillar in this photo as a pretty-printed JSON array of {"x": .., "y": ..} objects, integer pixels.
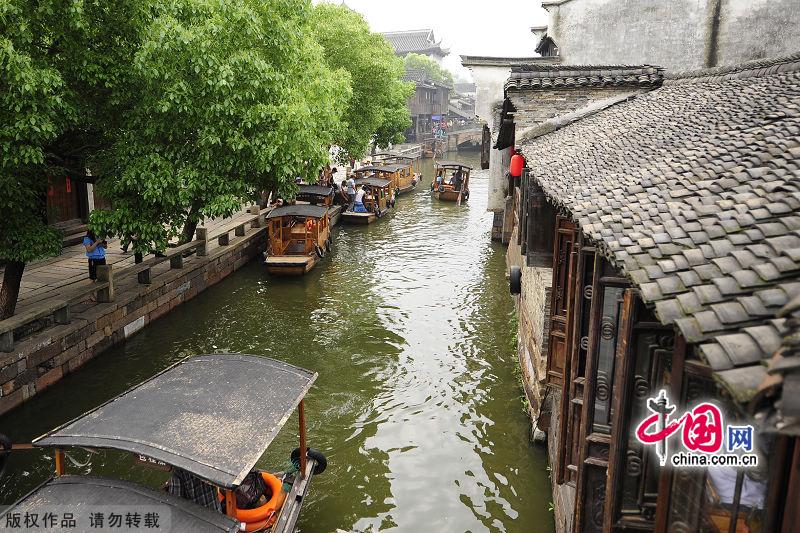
[
  {"x": 105, "y": 273},
  {"x": 230, "y": 503},
  {"x": 301, "y": 411},
  {"x": 202, "y": 235},
  {"x": 60, "y": 462}
]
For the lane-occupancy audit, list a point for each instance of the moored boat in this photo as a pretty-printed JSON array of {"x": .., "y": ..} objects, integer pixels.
[
  {"x": 451, "y": 182},
  {"x": 207, "y": 420},
  {"x": 298, "y": 237},
  {"x": 403, "y": 167},
  {"x": 377, "y": 203}
]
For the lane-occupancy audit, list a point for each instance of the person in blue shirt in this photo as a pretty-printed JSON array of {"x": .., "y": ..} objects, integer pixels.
[{"x": 95, "y": 252}]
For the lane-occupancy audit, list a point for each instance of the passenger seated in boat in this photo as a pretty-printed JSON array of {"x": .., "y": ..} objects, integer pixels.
[
  {"x": 456, "y": 181},
  {"x": 192, "y": 488},
  {"x": 439, "y": 181},
  {"x": 358, "y": 205}
]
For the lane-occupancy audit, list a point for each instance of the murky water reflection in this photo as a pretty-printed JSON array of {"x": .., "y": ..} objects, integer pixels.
[{"x": 417, "y": 406}]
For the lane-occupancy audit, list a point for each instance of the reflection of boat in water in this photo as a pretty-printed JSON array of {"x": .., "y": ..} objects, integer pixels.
[
  {"x": 451, "y": 182},
  {"x": 208, "y": 419},
  {"x": 298, "y": 236},
  {"x": 403, "y": 172},
  {"x": 378, "y": 203}
]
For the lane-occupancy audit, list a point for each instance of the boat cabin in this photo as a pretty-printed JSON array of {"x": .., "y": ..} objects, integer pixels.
[
  {"x": 315, "y": 194},
  {"x": 451, "y": 182},
  {"x": 298, "y": 236},
  {"x": 205, "y": 421},
  {"x": 404, "y": 165},
  {"x": 377, "y": 202}
]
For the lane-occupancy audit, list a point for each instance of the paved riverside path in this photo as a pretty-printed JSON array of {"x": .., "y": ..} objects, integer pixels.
[{"x": 49, "y": 277}]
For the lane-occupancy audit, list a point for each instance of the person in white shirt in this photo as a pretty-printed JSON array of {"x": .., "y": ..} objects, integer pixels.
[{"x": 358, "y": 205}]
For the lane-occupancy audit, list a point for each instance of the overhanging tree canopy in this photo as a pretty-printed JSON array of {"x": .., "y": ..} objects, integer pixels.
[{"x": 378, "y": 103}]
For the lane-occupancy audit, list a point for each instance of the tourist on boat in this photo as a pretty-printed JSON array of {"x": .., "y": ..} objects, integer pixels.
[
  {"x": 456, "y": 180},
  {"x": 358, "y": 202},
  {"x": 192, "y": 488},
  {"x": 351, "y": 191},
  {"x": 95, "y": 252}
]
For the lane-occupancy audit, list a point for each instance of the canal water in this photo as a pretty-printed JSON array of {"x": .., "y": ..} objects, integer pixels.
[{"x": 417, "y": 405}]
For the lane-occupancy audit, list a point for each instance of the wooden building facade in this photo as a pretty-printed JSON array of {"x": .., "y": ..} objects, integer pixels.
[{"x": 670, "y": 220}]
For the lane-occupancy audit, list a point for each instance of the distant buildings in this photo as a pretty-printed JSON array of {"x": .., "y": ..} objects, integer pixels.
[
  {"x": 417, "y": 42},
  {"x": 428, "y": 106}
]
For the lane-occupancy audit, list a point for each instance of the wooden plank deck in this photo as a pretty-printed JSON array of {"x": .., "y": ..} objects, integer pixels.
[{"x": 52, "y": 276}]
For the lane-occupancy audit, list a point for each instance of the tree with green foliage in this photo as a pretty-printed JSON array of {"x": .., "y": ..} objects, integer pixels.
[
  {"x": 430, "y": 67},
  {"x": 232, "y": 98},
  {"x": 377, "y": 110},
  {"x": 59, "y": 63}
]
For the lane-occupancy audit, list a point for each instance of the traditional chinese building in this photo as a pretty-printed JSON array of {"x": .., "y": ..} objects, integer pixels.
[
  {"x": 657, "y": 232},
  {"x": 428, "y": 105},
  {"x": 417, "y": 42}
]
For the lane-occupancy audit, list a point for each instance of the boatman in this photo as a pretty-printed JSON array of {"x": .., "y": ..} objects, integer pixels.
[{"x": 351, "y": 191}]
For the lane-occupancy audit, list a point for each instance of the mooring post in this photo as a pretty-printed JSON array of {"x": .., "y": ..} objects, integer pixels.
[
  {"x": 202, "y": 235},
  {"x": 255, "y": 210},
  {"x": 62, "y": 315},
  {"x": 105, "y": 273}
]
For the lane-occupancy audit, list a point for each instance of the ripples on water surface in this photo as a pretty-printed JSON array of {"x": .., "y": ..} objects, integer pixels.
[{"x": 416, "y": 406}]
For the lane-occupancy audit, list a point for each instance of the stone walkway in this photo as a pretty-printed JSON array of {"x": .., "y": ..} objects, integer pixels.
[{"x": 49, "y": 277}]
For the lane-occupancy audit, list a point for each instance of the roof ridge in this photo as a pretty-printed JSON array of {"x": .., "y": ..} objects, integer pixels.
[{"x": 756, "y": 67}]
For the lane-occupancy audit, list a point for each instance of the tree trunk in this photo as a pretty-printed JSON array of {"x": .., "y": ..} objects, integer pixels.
[
  {"x": 188, "y": 231},
  {"x": 9, "y": 292}
]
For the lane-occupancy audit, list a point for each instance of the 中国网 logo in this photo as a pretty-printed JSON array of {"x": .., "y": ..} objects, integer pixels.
[{"x": 706, "y": 440}]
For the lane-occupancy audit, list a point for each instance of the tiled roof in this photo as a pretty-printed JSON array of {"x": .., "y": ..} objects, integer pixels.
[
  {"x": 693, "y": 190},
  {"x": 415, "y": 41},
  {"x": 532, "y": 77}
]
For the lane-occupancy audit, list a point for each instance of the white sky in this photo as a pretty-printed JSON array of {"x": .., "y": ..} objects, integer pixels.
[{"x": 466, "y": 27}]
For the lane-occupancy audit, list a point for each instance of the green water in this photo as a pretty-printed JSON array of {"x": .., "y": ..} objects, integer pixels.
[{"x": 417, "y": 406}]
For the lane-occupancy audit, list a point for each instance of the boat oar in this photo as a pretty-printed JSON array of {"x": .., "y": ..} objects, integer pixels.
[
  {"x": 5, "y": 450},
  {"x": 458, "y": 202}
]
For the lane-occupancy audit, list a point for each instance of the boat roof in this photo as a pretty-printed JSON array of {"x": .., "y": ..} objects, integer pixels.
[
  {"x": 392, "y": 153},
  {"x": 454, "y": 164},
  {"x": 314, "y": 190},
  {"x": 299, "y": 210},
  {"x": 211, "y": 415},
  {"x": 112, "y": 495},
  {"x": 373, "y": 181},
  {"x": 383, "y": 168}
]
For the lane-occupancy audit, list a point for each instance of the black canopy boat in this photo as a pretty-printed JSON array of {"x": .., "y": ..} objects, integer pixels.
[
  {"x": 377, "y": 203},
  {"x": 209, "y": 417},
  {"x": 451, "y": 182},
  {"x": 320, "y": 195}
]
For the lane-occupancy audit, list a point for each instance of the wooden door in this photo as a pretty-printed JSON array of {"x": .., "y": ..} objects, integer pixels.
[{"x": 560, "y": 299}]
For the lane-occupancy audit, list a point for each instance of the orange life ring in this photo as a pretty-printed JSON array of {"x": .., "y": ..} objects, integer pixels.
[
  {"x": 309, "y": 224},
  {"x": 263, "y": 516}
]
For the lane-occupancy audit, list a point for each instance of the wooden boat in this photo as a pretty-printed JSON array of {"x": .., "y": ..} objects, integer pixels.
[
  {"x": 298, "y": 236},
  {"x": 208, "y": 419},
  {"x": 448, "y": 173},
  {"x": 378, "y": 204},
  {"x": 405, "y": 174},
  {"x": 320, "y": 195},
  {"x": 315, "y": 194}
]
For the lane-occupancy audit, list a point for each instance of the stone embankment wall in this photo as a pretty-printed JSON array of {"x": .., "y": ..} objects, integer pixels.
[{"x": 44, "y": 358}]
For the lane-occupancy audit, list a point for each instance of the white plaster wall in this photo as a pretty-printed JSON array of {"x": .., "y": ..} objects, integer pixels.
[
  {"x": 675, "y": 34},
  {"x": 489, "y": 94}
]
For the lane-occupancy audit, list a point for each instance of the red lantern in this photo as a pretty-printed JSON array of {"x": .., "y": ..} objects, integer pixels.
[{"x": 517, "y": 162}]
